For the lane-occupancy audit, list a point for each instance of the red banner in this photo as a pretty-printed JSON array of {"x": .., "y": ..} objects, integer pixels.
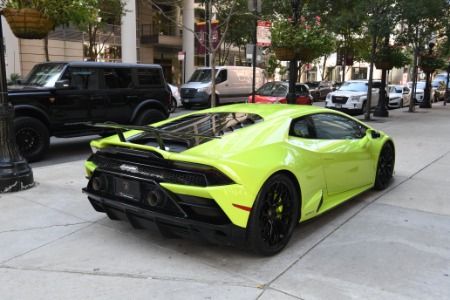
[{"x": 200, "y": 29}]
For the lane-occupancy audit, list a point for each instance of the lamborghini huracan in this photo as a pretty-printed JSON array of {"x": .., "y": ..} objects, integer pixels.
[{"x": 241, "y": 175}]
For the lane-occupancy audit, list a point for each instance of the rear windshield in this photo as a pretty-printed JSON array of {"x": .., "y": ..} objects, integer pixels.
[
  {"x": 190, "y": 131},
  {"x": 216, "y": 124}
]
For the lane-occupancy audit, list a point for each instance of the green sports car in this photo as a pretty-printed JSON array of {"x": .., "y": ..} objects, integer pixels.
[{"x": 241, "y": 175}]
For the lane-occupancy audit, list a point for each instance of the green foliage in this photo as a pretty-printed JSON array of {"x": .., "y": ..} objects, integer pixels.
[
  {"x": 305, "y": 35},
  {"x": 431, "y": 61},
  {"x": 241, "y": 24},
  {"x": 61, "y": 11},
  {"x": 13, "y": 78},
  {"x": 272, "y": 65},
  {"x": 394, "y": 54}
]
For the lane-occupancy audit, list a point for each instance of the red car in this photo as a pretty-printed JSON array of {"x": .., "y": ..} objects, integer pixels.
[{"x": 276, "y": 91}]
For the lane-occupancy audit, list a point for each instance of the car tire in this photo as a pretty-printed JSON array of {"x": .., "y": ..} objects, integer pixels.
[
  {"x": 173, "y": 105},
  {"x": 187, "y": 105},
  {"x": 149, "y": 116},
  {"x": 274, "y": 216},
  {"x": 363, "y": 108},
  {"x": 32, "y": 138},
  {"x": 385, "y": 166}
]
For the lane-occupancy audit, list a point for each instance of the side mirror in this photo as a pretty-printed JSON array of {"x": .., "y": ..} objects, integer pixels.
[
  {"x": 62, "y": 84},
  {"x": 375, "y": 134}
]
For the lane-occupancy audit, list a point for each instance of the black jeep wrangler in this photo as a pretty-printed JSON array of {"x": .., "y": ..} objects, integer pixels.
[{"x": 58, "y": 98}]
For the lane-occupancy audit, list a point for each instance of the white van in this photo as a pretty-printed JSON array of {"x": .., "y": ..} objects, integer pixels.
[{"x": 233, "y": 84}]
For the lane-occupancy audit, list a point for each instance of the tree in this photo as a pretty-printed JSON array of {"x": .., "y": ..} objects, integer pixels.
[
  {"x": 98, "y": 16},
  {"x": 420, "y": 24},
  {"x": 240, "y": 31}
]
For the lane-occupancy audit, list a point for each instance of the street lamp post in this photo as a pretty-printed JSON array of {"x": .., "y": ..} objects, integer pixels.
[
  {"x": 15, "y": 174},
  {"x": 426, "y": 98},
  {"x": 290, "y": 97},
  {"x": 381, "y": 110}
]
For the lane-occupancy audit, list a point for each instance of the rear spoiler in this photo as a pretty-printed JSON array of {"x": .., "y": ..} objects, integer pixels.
[{"x": 120, "y": 129}]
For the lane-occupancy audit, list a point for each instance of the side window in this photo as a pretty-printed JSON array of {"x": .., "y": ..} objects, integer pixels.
[
  {"x": 117, "y": 78},
  {"x": 222, "y": 76},
  {"x": 300, "y": 88},
  {"x": 83, "y": 78},
  {"x": 300, "y": 128},
  {"x": 337, "y": 127},
  {"x": 149, "y": 76}
]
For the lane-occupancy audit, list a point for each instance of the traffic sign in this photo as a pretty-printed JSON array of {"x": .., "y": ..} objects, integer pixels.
[{"x": 263, "y": 37}]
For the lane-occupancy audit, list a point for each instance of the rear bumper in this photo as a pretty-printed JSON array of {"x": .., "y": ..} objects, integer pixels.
[{"x": 168, "y": 226}]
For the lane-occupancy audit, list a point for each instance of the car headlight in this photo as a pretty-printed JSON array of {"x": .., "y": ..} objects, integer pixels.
[
  {"x": 355, "y": 98},
  {"x": 203, "y": 89},
  {"x": 328, "y": 97}
]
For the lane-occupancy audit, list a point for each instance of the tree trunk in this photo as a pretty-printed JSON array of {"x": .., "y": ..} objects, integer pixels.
[{"x": 47, "y": 57}]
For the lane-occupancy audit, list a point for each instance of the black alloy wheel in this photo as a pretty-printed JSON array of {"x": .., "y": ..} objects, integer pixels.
[
  {"x": 149, "y": 116},
  {"x": 32, "y": 138},
  {"x": 273, "y": 216},
  {"x": 385, "y": 168}
]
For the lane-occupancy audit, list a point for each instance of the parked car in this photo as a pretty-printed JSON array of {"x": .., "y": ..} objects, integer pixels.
[
  {"x": 175, "y": 100},
  {"x": 233, "y": 84},
  {"x": 242, "y": 174},
  {"x": 336, "y": 85},
  {"x": 276, "y": 92},
  {"x": 319, "y": 89},
  {"x": 420, "y": 93},
  {"x": 399, "y": 96},
  {"x": 352, "y": 96},
  {"x": 58, "y": 98}
]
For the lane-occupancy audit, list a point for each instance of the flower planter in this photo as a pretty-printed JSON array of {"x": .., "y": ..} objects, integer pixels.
[
  {"x": 384, "y": 65},
  {"x": 27, "y": 23},
  {"x": 303, "y": 55},
  {"x": 427, "y": 69},
  {"x": 284, "y": 53}
]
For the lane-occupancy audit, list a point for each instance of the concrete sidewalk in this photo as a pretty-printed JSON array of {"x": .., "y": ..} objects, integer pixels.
[{"x": 393, "y": 244}]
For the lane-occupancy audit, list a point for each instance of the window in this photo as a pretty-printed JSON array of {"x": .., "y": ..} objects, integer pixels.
[
  {"x": 83, "y": 78},
  {"x": 222, "y": 76},
  {"x": 44, "y": 74},
  {"x": 265, "y": 89},
  {"x": 149, "y": 76},
  {"x": 300, "y": 88},
  {"x": 337, "y": 127},
  {"x": 118, "y": 78},
  {"x": 300, "y": 128}
]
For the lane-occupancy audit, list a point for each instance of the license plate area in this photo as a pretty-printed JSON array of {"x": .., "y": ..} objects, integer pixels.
[
  {"x": 338, "y": 105},
  {"x": 127, "y": 188}
]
